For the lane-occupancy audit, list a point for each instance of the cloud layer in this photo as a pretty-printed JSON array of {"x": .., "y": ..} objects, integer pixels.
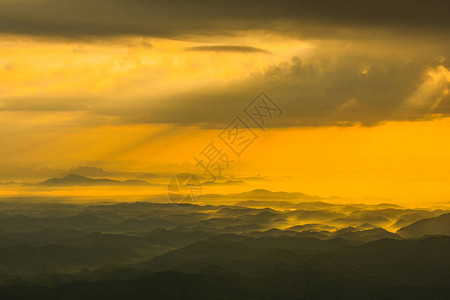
[
  {"x": 161, "y": 18},
  {"x": 340, "y": 86}
]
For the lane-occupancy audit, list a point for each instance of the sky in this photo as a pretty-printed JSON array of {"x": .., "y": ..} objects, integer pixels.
[{"x": 357, "y": 93}]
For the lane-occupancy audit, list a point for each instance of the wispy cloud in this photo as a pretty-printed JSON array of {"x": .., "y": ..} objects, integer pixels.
[{"x": 227, "y": 48}]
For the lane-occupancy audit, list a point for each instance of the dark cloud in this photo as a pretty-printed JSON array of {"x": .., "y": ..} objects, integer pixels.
[
  {"x": 357, "y": 86},
  {"x": 333, "y": 86},
  {"x": 327, "y": 89},
  {"x": 39, "y": 103},
  {"x": 227, "y": 48},
  {"x": 162, "y": 18}
]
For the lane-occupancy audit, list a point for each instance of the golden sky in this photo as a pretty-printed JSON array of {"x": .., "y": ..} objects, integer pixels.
[{"x": 145, "y": 87}]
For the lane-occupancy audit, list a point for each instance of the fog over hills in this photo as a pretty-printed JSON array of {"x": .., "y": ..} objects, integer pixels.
[
  {"x": 51, "y": 246},
  {"x": 431, "y": 226}
]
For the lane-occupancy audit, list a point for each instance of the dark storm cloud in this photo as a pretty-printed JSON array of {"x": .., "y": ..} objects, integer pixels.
[
  {"x": 45, "y": 104},
  {"x": 227, "y": 48},
  {"x": 354, "y": 88},
  {"x": 335, "y": 85},
  {"x": 358, "y": 84},
  {"x": 174, "y": 18}
]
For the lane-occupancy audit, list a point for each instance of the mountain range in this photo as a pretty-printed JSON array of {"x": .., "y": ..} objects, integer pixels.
[{"x": 302, "y": 250}]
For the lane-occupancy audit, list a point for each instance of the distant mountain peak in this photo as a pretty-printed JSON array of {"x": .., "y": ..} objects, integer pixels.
[
  {"x": 80, "y": 180},
  {"x": 89, "y": 171},
  {"x": 75, "y": 177},
  {"x": 432, "y": 226}
]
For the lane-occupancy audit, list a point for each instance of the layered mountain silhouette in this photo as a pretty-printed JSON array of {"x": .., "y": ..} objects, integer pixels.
[
  {"x": 79, "y": 180},
  {"x": 296, "y": 250},
  {"x": 432, "y": 226}
]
